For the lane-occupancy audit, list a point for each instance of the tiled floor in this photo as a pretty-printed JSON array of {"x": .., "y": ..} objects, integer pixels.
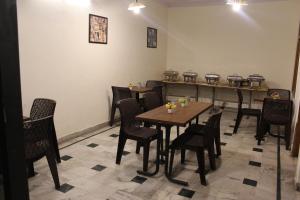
[{"x": 245, "y": 171}]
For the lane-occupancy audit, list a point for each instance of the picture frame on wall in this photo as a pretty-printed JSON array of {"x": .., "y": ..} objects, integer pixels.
[
  {"x": 151, "y": 37},
  {"x": 98, "y": 28}
]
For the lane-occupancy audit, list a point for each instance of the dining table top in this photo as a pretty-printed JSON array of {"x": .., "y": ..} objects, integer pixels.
[
  {"x": 180, "y": 117},
  {"x": 140, "y": 89}
]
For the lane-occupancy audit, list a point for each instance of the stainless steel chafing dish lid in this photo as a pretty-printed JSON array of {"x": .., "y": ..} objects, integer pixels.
[
  {"x": 212, "y": 76},
  {"x": 256, "y": 77},
  {"x": 193, "y": 74},
  {"x": 234, "y": 78},
  {"x": 170, "y": 73}
]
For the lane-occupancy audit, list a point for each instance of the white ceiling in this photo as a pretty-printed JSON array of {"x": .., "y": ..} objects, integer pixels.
[{"x": 175, "y": 3}]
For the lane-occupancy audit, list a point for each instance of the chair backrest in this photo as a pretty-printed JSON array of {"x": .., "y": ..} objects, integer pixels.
[
  {"x": 129, "y": 108},
  {"x": 120, "y": 93},
  {"x": 42, "y": 108},
  {"x": 153, "y": 83},
  {"x": 151, "y": 101},
  {"x": 284, "y": 94},
  {"x": 277, "y": 111},
  {"x": 240, "y": 99},
  {"x": 159, "y": 91},
  {"x": 214, "y": 121},
  {"x": 36, "y": 134}
]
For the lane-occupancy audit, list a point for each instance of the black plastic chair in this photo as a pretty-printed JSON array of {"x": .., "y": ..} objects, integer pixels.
[
  {"x": 211, "y": 132},
  {"x": 153, "y": 83},
  {"x": 119, "y": 93},
  {"x": 131, "y": 129},
  {"x": 194, "y": 143},
  {"x": 276, "y": 112},
  {"x": 37, "y": 145},
  {"x": 245, "y": 111},
  {"x": 283, "y": 94},
  {"x": 41, "y": 108}
]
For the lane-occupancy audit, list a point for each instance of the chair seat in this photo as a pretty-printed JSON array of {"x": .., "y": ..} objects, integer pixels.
[
  {"x": 143, "y": 133},
  {"x": 195, "y": 129},
  {"x": 252, "y": 112},
  {"x": 188, "y": 141}
]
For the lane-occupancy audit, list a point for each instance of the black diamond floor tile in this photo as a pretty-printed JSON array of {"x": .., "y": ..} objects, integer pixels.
[
  {"x": 114, "y": 135},
  {"x": 258, "y": 149},
  {"x": 92, "y": 145},
  {"x": 139, "y": 179},
  {"x": 231, "y": 126},
  {"x": 186, "y": 193},
  {"x": 98, "y": 168},
  {"x": 228, "y": 134},
  {"x": 254, "y": 163},
  {"x": 125, "y": 153},
  {"x": 223, "y": 143},
  {"x": 66, "y": 157},
  {"x": 250, "y": 182},
  {"x": 64, "y": 188}
]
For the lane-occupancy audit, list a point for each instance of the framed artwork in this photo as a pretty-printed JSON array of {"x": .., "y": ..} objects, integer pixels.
[
  {"x": 98, "y": 27},
  {"x": 151, "y": 37}
]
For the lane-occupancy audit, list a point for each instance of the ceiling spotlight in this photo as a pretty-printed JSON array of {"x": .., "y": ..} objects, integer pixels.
[{"x": 136, "y": 7}]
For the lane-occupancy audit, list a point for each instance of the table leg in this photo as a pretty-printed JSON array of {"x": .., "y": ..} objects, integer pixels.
[
  {"x": 167, "y": 143},
  {"x": 213, "y": 100},
  {"x": 197, "y": 93},
  {"x": 250, "y": 101},
  {"x": 166, "y": 92}
]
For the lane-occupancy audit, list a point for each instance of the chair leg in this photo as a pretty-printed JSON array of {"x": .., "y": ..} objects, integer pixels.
[
  {"x": 211, "y": 156},
  {"x": 112, "y": 114},
  {"x": 121, "y": 144},
  {"x": 171, "y": 161},
  {"x": 257, "y": 126},
  {"x": 237, "y": 123},
  {"x": 201, "y": 164},
  {"x": 146, "y": 156},
  {"x": 177, "y": 131},
  {"x": 55, "y": 144},
  {"x": 53, "y": 168},
  {"x": 287, "y": 135},
  {"x": 218, "y": 145},
  {"x": 182, "y": 156},
  {"x": 138, "y": 147}
]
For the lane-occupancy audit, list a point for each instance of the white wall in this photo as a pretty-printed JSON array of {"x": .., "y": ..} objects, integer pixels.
[
  {"x": 261, "y": 39},
  {"x": 296, "y": 113},
  {"x": 57, "y": 61}
]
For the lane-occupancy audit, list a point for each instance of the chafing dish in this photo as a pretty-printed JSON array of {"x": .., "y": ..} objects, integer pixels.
[
  {"x": 235, "y": 80},
  {"x": 255, "y": 80},
  {"x": 212, "y": 78},
  {"x": 190, "y": 77},
  {"x": 171, "y": 75}
]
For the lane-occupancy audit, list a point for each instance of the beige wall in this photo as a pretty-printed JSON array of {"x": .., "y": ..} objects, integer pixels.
[
  {"x": 261, "y": 39},
  {"x": 57, "y": 61}
]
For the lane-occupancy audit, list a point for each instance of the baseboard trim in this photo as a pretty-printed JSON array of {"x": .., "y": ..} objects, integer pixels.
[{"x": 84, "y": 132}]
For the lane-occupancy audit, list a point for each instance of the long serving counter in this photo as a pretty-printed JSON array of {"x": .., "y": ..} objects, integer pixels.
[{"x": 220, "y": 85}]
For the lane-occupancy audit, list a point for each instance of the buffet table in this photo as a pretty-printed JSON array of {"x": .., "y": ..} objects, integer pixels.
[{"x": 220, "y": 85}]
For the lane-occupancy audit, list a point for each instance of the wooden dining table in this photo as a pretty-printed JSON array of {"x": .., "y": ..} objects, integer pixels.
[{"x": 181, "y": 117}]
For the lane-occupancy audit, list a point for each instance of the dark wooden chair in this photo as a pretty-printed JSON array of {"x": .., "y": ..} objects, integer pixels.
[
  {"x": 211, "y": 132},
  {"x": 37, "y": 145},
  {"x": 283, "y": 94},
  {"x": 119, "y": 93},
  {"x": 194, "y": 143},
  {"x": 276, "y": 112},
  {"x": 41, "y": 108},
  {"x": 130, "y": 129},
  {"x": 245, "y": 111}
]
